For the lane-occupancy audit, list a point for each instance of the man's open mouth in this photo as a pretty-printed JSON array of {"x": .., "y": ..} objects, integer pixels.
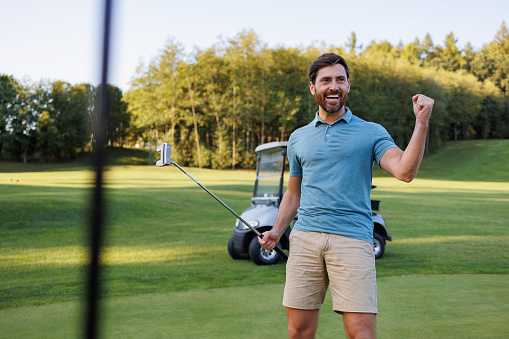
[{"x": 335, "y": 96}]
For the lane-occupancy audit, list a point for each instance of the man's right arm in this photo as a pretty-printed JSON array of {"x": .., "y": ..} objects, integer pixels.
[{"x": 287, "y": 211}]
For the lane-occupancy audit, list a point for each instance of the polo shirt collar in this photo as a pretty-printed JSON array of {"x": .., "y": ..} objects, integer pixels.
[{"x": 347, "y": 117}]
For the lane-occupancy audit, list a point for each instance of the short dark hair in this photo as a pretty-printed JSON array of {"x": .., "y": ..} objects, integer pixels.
[{"x": 327, "y": 59}]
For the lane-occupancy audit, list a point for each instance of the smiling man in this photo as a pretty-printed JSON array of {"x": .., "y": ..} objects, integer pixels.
[{"x": 331, "y": 168}]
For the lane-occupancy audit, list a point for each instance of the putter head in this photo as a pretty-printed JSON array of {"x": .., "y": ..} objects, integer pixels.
[{"x": 165, "y": 150}]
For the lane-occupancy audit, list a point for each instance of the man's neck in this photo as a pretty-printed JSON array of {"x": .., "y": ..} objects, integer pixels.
[{"x": 331, "y": 118}]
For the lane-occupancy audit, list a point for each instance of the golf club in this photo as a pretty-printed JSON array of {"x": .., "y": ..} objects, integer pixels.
[{"x": 165, "y": 150}]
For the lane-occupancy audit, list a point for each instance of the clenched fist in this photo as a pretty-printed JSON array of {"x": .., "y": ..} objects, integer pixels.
[{"x": 423, "y": 106}]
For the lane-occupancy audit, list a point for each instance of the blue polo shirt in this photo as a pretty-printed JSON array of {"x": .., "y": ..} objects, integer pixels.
[{"x": 336, "y": 165}]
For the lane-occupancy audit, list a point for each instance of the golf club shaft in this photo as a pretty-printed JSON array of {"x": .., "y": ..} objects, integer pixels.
[{"x": 277, "y": 249}]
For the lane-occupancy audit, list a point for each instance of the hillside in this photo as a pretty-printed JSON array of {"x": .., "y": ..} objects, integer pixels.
[{"x": 474, "y": 160}]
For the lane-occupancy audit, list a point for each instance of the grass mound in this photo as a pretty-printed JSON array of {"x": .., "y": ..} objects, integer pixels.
[
  {"x": 130, "y": 156},
  {"x": 474, "y": 160}
]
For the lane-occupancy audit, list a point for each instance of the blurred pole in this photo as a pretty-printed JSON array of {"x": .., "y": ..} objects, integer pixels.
[{"x": 96, "y": 230}]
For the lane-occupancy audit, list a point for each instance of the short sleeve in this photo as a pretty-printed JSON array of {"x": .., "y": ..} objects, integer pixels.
[
  {"x": 293, "y": 161},
  {"x": 382, "y": 143}
]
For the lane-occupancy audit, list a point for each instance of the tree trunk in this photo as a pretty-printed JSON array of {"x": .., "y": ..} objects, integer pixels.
[
  {"x": 173, "y": 122},
  {"x": 466, "y": 131},
  {"x": 218, "y": 122},
  {"x": 157, "y": 134},
  {"x": 195, "y": 123},
  {"x": 234, "y": 148}
]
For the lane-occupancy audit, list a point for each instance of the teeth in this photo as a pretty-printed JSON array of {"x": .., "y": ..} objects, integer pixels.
[{"x": 333, "y": 96}]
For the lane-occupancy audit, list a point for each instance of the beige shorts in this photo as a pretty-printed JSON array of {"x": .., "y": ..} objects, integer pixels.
[{"x": 318, "y": 260}]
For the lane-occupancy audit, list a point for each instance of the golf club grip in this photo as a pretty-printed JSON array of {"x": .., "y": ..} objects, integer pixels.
[{"x": 279, "y": 251}]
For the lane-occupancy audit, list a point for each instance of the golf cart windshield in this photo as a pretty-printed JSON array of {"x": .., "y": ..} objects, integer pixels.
[{"x": 270, "y": 170}]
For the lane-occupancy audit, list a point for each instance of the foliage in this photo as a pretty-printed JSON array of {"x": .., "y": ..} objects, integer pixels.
[
  {"x": 223, "y": 101},
  {"x": 53, "y": 121},
  {"x": 8, "y": 93},
  {"x": 217, "y": 104},
  {"x": 117, "y": 118}
]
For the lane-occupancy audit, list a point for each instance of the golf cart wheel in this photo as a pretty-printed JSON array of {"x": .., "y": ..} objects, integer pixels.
[
  {"x": 378, "y": 245},
  {"x": 260, "y": 255},
  {"x": 234, "y": 254}
]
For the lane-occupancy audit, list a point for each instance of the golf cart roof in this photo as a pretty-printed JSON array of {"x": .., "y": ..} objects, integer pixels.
[{"x": 271, "y": 145}]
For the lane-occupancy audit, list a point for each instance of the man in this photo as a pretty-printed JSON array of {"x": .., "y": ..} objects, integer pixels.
[{"x": 331, "y": 168}]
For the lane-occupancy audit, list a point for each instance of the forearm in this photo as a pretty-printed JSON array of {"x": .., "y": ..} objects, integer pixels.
[
  {"x": 405, "y": 165},
  {"x": 411, "y": 158},
  {"x": 287, "y": 211}
]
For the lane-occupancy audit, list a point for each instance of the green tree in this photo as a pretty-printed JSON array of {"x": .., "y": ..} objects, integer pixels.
[
  {"x": 500, "y": 43},
  {"x": 117, "y": 117},
  {"x": 383, "y": 48},
  {"x": 490, "y": 120},
  {"x": 155, "y": 95},
  {"x": 428, "y": 50},
  {"x": 412, "y": 52},
  {"x": 9, "y": 89},
  {"x": 449, "y": 56},
  {"x": 493, "y": 61},
  {"x": 142, "y": 101},
  {"x": 286, "y": 109},
  {"x": 164, "y": 71},
  {"x": 118, "y": 121},
  {"x": 468, "y": 56},
  {"x": 71, "y": 110},
  {"x": 351, "y": 45},
  {"x": 242, "y": 55},
  {"x": 192, "y": 101},
  {"x": 22, "y": 125},
  {"x": 452, "y": 54},
  {"x": 214, "y": 78}
]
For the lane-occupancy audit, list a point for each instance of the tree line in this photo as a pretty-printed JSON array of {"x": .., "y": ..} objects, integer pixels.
[
  {"x": 55, "y": 121},
  {"x": 215, "y": 105}
]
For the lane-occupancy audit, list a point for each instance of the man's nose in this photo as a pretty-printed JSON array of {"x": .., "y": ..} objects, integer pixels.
[{"x": 334, "y": 84}]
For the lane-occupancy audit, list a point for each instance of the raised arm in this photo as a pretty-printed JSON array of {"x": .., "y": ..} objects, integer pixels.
[
  {"x": 287, "y": 211},
  {"x": 404, "y": 165}
]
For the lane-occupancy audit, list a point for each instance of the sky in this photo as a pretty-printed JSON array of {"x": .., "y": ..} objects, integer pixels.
[{"x": 62, "y": 39}]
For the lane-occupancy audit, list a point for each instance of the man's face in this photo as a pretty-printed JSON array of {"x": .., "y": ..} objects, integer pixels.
[{"x": 331, "y": 88}]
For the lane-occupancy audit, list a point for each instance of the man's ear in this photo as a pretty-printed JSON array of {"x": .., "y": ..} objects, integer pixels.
[{"x": 312, "y": 88}]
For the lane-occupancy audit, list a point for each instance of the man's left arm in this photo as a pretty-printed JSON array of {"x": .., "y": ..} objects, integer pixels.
[{"x": 404, "y": 165}]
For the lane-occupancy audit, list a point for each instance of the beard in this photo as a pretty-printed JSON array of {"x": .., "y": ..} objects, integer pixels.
[{"x": 331, "y": 108}]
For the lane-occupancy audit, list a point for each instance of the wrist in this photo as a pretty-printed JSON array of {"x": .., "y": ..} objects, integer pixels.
[
  {"x": 276, "y": 231},
  {"x": 421, "y": 124}
]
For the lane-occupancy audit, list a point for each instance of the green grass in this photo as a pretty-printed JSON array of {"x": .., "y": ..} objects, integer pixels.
[
  {"x": 166, "y": 267},
  {"x": 439, "y": 306},
  {"x": 474, "y": 160}
]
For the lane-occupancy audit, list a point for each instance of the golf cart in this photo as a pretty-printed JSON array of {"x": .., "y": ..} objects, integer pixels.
[{"x": 268, "y": 192}]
